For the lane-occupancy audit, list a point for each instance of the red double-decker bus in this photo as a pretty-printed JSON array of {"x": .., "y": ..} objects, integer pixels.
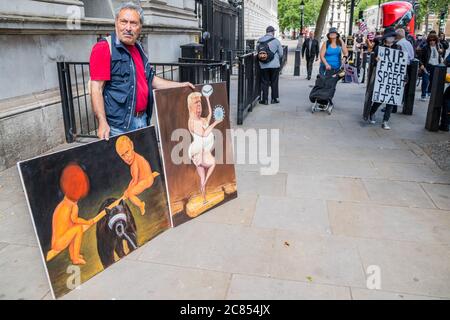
[{"x": 398, "y": 14}]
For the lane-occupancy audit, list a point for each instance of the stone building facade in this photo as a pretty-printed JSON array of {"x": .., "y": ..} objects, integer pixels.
[
  {"x": 337, "y": 17},
  {"x": 259, "y": 15}
]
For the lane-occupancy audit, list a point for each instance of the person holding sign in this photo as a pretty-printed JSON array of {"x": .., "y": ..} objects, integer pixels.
[{"x": 389, "y": 77}]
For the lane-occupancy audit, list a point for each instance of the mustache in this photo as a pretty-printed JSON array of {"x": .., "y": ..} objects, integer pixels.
[{"x": 128, "y": 33}]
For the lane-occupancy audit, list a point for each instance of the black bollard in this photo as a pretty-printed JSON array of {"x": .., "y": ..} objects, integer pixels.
[
  {"x": 364, "y": 66},
  {"x": 410, "y": 88},
  {"x": 437, "y": 98},
  {"x": 298, "y": 60}
]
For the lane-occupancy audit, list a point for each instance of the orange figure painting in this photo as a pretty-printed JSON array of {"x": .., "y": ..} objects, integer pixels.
[
  {"x": 93, "y": 204},
  {"x": 142, "y": 176},
  {"x": 67, "y": 226}
]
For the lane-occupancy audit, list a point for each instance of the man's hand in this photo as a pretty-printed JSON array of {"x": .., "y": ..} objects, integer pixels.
[
  {"x": 103, "y": 130},
  {"x": 187, "y": 84},
  {"x": 160, "y": 83},
  {"x": 328, "y": 67}
]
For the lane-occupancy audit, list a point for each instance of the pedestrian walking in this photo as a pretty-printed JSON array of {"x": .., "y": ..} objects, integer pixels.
[
  {"x": 430, "y": 56},
  {"x": 332, "y": 53},
  {"x": 270, "y": 53},
  {"x": 310, "y": 49}
]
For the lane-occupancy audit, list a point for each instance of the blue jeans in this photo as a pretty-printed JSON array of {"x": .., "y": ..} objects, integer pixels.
[
  {"x": 427, "y": 81},
  {"x": 136, "y": 123}
]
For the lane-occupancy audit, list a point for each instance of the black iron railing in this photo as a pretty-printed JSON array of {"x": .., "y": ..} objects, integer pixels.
[
  {"x": 249, "y": 85},
  {"x": 76, "y": 105},
  {"x": 232, "y": 57},
  {"x": 79, "y": 119}
]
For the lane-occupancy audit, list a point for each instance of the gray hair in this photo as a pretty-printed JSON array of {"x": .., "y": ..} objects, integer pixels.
[
  {"x": 132, "y": 6},
  {"x": 401, "y": 32}
]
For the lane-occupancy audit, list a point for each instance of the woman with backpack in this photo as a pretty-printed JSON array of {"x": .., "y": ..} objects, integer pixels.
[{"x": 333, "y": 53}]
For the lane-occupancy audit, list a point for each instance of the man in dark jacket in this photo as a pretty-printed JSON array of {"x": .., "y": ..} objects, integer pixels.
[{"x": 311, "y": 48}]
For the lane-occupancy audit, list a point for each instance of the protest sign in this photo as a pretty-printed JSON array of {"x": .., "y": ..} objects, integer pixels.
[{"x": 390, "y": 76}]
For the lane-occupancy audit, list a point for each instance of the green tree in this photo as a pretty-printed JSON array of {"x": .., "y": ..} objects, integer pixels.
[
  {"x": 428, "y": 7},
  {"x": 289, "y": 13},
  {"x": 320, "y": 24}
]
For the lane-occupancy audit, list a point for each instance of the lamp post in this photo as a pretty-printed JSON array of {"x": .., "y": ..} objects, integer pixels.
[{"x": 302, "y": 10}]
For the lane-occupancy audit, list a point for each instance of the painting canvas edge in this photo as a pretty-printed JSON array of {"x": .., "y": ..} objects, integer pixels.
[
  {"x": 35, "y": 229},
  {"x": 157, "y": 128}
]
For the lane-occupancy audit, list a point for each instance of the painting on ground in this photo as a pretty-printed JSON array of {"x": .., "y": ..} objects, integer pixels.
[
  {"x": 197, "y": 149},
  {"x": 94, "y": 204}
]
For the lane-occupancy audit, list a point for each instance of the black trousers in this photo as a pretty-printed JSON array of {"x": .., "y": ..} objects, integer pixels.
[
  {"x": 309, "y": 65},
  {"x": 269, "y": 78},
  {"x": 387, "y": 111}
]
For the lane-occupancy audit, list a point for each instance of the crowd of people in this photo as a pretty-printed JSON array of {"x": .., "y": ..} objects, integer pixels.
[{"x": 429, "y": 50}]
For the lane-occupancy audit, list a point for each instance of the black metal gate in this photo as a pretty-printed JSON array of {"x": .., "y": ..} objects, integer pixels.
[{"x": 220, "y": 20}]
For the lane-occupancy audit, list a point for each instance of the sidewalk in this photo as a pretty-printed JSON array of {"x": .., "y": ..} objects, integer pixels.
[{"x": 348, "y": 196}]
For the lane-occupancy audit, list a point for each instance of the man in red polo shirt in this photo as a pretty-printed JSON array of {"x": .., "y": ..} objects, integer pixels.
[{"x": 120, "y": 77}]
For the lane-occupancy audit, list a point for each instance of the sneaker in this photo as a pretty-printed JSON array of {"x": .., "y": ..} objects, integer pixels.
[
  {"x": 372, "y": 120},
  {"x": 265, "y": 102},
  {"x": 423, "y": 98},
  {"x": 275, "y": 101},
  {"x": 385, "y": 125}
]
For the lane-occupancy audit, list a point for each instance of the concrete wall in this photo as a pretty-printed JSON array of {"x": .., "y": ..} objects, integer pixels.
[
  {"x": 29, "y": 134},
  {"x": 31, "y": 60}
]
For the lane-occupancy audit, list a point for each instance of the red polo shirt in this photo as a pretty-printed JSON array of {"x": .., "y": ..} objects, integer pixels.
[{"x": 100, "y": 69}]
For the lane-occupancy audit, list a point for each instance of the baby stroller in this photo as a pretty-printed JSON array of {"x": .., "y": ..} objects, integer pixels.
[{"x": 323, "y": 91}]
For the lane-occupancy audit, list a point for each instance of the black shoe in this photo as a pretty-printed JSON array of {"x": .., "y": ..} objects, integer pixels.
[
  {"x": 308, "y": 78},
  {"x": 265, "y": 102},
  {"x": 443, "y": 128},
  {"x": 274, "y": 101}
]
